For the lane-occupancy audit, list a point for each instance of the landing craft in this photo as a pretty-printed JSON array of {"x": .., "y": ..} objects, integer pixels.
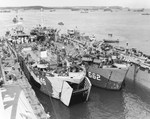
[
  {"x": 138, "y": 10},
  {"x": 66, "y": 82},
  {"x": 17, "y": 20},
  {"x": 103, "y": 69},
  {"x": 108, "y": 76},
  {"x": 104, "y": 66}
]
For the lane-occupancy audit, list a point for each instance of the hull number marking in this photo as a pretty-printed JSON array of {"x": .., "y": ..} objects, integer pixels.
[{"x": 94, "y": 76}]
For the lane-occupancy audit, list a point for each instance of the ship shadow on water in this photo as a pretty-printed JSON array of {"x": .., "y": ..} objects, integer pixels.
[
  {"x": 106, "y": 104},
  {"x": 136, "y": 100},
  {"x": 45, "y": 100},
  {"x": 137, "y": 89}
]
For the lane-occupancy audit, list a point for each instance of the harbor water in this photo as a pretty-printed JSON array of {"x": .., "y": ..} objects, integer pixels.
[{"x": 133, "y": 101}]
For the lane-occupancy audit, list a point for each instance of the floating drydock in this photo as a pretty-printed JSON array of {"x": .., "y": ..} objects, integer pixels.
[
  {"x": 108, "y": 65},
  {"x": 139, "y": 70},
  {"x": 17, "y": 98},
  {"x": 139, "y": 65}
]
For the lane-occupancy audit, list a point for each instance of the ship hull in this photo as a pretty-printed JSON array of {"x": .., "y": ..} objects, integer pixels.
[
  {"x": 107, "y": 78},
  {"x": 48, "y": 87},
  {"x": 139, "y": 75},
  {"x": 77, "y": 96}
]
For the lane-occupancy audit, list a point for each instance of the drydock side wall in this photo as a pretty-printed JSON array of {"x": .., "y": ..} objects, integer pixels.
[
  {"x": 27, "y": 73},
  {"x": 137, "y": 74},
  {"x": 16, "y": 104},
  {"x": 28, "y": 91},
  {"x": 3, "y": 114}
]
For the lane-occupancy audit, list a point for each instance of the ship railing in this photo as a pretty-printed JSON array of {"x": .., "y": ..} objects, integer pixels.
[
  {"x": 12, "y": 50},
  {"x": 86, "y": 85},
  {"x": 2, "y": 72},
  {"x": 145, "y": 65}
]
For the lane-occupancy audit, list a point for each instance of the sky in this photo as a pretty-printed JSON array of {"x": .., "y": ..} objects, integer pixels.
[{"x": 123, "y": 3}]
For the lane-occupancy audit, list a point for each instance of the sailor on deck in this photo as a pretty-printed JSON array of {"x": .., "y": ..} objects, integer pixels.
[{"x": 64, "y": 53}]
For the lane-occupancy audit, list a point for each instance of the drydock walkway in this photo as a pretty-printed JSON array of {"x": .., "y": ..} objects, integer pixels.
[
  {"x": 20, "y": 101},
  {"x": 17, "y": 98}
]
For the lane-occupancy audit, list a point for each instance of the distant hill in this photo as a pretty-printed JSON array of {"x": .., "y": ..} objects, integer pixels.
[
  {"x": 73, "y": 7},
  {"x": 26, "y": 7},
  {"x": 116, "y": 7},
  {"x": 66, "y": 7}
]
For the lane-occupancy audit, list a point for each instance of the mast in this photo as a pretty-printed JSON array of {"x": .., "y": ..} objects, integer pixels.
[{"x": 42, "y": 20}]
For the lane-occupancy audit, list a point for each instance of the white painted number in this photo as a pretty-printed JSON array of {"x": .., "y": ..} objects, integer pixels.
[
  {"x": 98, "y": 77},
  {"x": 94, "y": 76}
]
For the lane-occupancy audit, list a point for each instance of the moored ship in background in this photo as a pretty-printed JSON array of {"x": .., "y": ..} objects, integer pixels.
[
  {"x": 17, "y": 20},
  {"x": 84, "y": 11},
  {"x": 145, "y": 14},
  {"x": 52, "y": 10}
]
